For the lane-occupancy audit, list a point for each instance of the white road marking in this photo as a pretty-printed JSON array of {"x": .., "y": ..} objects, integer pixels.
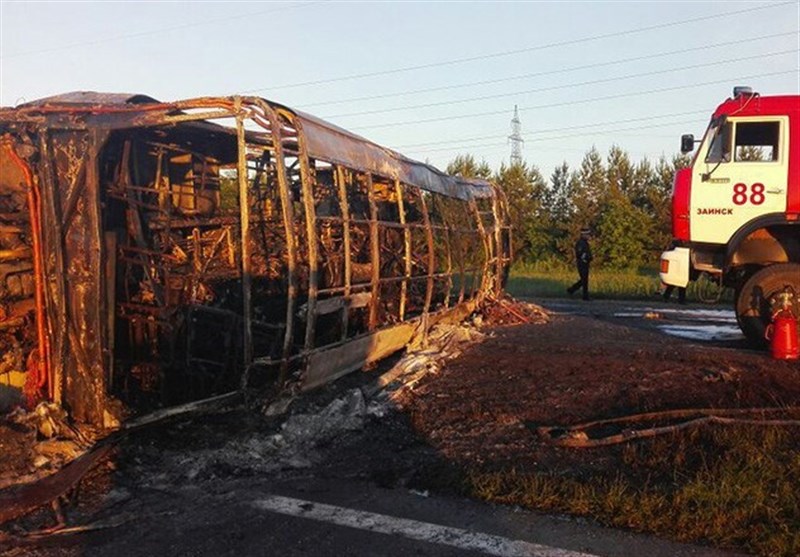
[{"x": 413, "y": 529}]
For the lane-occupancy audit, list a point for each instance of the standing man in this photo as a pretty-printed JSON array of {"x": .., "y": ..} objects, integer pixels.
[
  {"x": 681, "y": 293},
  {"x": 583, "y": 256}
]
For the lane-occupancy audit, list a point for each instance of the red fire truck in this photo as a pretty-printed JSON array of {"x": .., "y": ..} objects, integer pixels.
[{"x": 736, "y": 209}]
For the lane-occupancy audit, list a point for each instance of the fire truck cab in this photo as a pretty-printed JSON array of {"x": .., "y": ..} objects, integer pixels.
[{"x": 736, "y": 209}]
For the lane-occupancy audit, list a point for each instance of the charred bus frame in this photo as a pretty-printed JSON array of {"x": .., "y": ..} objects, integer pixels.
[{"x": 152, "y": 251}]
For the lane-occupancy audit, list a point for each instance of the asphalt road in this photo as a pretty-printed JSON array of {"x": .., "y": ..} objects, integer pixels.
[
  {"x": 699, "y": 323},
  {"x": 331, "y": 517}
]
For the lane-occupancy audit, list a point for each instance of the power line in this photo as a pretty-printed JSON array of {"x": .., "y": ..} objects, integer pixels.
[
  {"x": 156, "y": 31},
  {"x": 556, "y": 87},
  {"x": 565, "y": 128},
  {"x": 568, "y": 136},
  {"x": 571, "y": 103},
  {"x": 501, "y": 147},
  {"x": 740, "y": 41},
  {"x": 520, "y": 50},
  {"x": 460, "y": 146}
]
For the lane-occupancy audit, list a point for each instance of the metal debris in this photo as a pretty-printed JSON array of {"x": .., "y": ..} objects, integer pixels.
[
  {"x": 19, "y": 500},
  {"x": 505, "y": 310}
]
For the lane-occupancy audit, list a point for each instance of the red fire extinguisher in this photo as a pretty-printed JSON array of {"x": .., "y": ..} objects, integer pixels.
[{"x": 782, "y": 332}]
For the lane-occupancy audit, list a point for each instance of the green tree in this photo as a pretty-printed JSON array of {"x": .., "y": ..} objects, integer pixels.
[
  {"x": 467, "y": 167},
  {"x": 659, "y": 198},
  {"x": 623, "y": 233},
  {"x": 592, "y": 186},
  {"x": 587, "y": 193},
  {"x": 619, "y": 171},
  {"x": 558, "y": 204},
  {"x": 525, "y": 190},
  {"x": 644, "y": 182},
  {"x": 628, "y": 205}
]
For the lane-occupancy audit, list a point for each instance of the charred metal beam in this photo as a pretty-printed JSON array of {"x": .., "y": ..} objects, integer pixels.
[
  {"x": 375, "y": 254},
  {"x": 348, "y": 264},
  {"x": 312, "y": 242},
  {"x": 244, "y": 212}
]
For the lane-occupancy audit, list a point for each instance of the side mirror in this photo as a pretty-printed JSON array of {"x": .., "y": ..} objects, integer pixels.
[{"x": 687, "y": 143}]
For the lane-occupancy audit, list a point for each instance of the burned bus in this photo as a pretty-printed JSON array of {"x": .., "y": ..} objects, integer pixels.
[{"x": 155, "y": 252}]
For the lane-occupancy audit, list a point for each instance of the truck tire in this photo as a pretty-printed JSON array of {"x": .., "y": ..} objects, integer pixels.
[{"x": 754, "y": 301}]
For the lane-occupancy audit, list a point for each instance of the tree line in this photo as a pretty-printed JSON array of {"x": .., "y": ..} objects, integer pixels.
[{"x": 626, "y": 205}]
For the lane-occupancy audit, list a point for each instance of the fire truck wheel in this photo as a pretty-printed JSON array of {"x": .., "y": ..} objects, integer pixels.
[{"x": 755, "y": 300}]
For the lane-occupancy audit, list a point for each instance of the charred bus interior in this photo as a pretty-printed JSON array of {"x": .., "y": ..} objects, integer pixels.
[{"x": 176, "y": 253}]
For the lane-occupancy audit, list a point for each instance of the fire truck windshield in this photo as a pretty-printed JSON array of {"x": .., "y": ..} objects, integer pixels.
[{"x": 719, "y": 133}]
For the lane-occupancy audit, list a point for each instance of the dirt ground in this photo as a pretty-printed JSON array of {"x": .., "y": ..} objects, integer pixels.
[
  {"x": 484, "y": 406},
  {"x": 479, "y": 408}
]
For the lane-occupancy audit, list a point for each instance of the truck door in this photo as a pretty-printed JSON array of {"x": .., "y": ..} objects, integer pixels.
[{"x": 741, "y": 173}]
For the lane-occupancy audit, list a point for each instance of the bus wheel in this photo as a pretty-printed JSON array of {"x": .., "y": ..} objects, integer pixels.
[{"x": 757, "y": 299}]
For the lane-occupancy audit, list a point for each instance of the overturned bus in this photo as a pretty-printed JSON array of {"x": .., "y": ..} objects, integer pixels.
[{"x": 153, "y": 253}]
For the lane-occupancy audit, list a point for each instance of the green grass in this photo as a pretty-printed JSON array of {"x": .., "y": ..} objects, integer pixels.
[
  {"x": 732, "y": 487},
  {"x": 550, "y": 280}
]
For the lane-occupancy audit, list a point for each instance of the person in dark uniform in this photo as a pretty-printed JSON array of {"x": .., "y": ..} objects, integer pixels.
[
  {"x": 583, "y": 257},
  {"x": 681, "y": 293}
]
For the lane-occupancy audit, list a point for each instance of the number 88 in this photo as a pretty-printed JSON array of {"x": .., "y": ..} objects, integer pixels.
[{"x": 756, "y": 194}]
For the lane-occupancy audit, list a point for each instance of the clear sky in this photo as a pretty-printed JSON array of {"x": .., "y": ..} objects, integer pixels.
[{"x": 430, "y": 79}]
